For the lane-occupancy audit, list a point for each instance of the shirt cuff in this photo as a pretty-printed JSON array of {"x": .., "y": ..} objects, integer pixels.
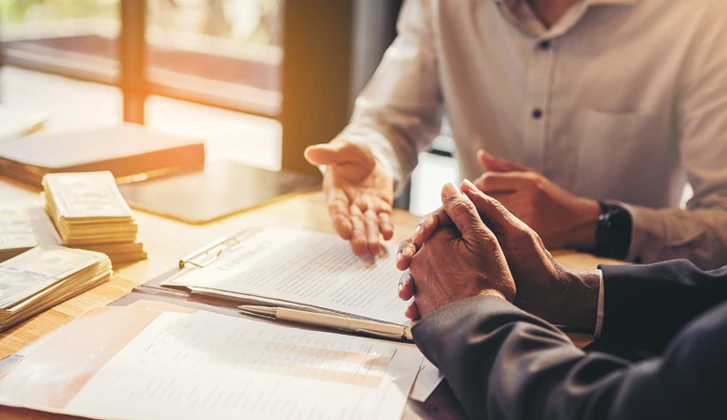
[{"x": 599, "y": 311}]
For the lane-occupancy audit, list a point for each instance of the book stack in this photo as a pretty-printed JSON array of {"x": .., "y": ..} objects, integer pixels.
[
  {"x": 24, "y": 226},
  {"x": 46, "y": 276},
  {"x": 90, "y": 213}
]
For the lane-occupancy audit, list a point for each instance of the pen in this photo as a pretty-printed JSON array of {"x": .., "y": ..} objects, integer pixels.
[{"x": 378, "y": 329}]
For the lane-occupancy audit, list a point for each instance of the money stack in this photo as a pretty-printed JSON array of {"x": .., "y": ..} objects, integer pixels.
[
  {"x": 46, "y": 276},
  {"x": 24, "y": 226},
  {"x": 90, "y": 213}
]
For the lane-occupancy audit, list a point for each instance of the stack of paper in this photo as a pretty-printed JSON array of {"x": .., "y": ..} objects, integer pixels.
[
  {"x": 45, "y": 276},
  {"x": 90, "y": 213},
  {"x": 24, "y": 226}
]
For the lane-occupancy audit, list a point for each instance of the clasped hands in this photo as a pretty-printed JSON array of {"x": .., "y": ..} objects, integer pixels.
[{"x": 473, "y": 246}]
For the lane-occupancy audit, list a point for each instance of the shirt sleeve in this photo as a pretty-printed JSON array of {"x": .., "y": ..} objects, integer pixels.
[
  {"x": 399, "y": 112},
  {"x": 699, "y": 232}
]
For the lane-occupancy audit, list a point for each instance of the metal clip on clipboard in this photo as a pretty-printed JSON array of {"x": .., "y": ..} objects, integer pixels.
[
  {"x": 208, "y": 254},
  {"x": 212, "y": 251}
]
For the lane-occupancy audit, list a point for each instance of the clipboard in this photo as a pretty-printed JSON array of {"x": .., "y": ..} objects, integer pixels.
[{"x": 163, "y": 286}]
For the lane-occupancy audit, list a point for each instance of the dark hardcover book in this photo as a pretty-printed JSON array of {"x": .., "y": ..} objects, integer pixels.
[{"x": 129, "y": 151}]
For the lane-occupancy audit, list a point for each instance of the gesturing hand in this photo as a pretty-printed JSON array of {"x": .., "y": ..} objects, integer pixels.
[
  {"x": 457, "y": 261},
  {"x": 544, "y": 287},
  {"x": 359, "y": 193},
  {"x": 559, "y": 217}
]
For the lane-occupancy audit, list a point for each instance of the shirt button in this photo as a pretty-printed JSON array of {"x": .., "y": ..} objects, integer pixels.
[
  {"x": 544, "y": 45},
  {"x": 537, "y": 113}
]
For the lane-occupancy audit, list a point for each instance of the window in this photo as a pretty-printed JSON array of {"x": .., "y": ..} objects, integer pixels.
[
  {"x": 218, "y": 52},
  {"x": 72, "y": 37}
]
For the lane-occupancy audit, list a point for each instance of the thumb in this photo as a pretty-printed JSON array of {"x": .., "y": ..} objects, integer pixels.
[
  {"x": 464, "y": 215},
  {"x": 324, "y": 154},
  {"x": 491, "y": 163},
  {"x": 338, "y": 152}
]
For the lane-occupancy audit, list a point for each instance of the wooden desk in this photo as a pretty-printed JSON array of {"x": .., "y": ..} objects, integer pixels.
[{"x": 167, "y": 240}]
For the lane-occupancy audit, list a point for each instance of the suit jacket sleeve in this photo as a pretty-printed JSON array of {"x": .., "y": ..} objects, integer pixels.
[
  {"x": 645, "y": 305},
  {"x": 503, "y": 363}
]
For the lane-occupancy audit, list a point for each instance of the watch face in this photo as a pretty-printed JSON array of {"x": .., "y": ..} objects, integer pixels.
[{"x": 618, "y": 232}]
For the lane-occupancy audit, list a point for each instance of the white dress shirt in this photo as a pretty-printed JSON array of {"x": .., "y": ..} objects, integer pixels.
[{"x": 621, "y": 100}]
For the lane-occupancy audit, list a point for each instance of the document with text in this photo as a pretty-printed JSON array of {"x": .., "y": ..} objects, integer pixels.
[
  {"x": 165, "y": 365},
  {"x": 301, "y": 267}
]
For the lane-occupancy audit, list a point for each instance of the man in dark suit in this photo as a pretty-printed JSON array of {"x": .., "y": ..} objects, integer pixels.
[{"x": 471, "y": 260}]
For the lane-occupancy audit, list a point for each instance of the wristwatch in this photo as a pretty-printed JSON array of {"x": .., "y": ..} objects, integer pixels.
[{"x": 613, "y": 233}]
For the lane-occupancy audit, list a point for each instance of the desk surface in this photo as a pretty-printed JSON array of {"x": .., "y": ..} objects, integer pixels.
[{"x": 167, "y": 240}]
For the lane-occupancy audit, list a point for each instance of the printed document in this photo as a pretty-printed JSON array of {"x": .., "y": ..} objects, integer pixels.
[
  {"x": 205, "y": 365},
  {"x": 309, "y": 268}
]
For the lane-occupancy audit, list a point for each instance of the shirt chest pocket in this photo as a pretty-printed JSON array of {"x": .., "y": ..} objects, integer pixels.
[{"x": 625, "y": 156}]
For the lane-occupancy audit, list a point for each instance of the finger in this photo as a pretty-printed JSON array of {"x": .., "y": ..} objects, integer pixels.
[
  {"x": 407, "y": 249},
  {"x": 433, "y": 221},
  {"x": 406, "y": 286},
  {"x": 504, "y": 182},
  {"x": 424, "y": 230},
  {"x": 491, "y": 210},
  {"x": 371, "y": 221},
  {"x": 491, "y": 163},
  {"x": 338, "y": 210},
  {"x": 412, "y": 311},
  {"x": 358, "y": 231},
  {"x": 385, "y": 225},
  {"x": 464, "y": 215},
  {"x": 478, "y": 182}
]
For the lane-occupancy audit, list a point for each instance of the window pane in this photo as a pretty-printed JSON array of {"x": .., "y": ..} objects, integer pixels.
[
  {"x": 217, "y": 52},
  {"x": 228, "y": 135},
  {"x": 69, "y": 104},
  {"x": 74, "y": 37}
]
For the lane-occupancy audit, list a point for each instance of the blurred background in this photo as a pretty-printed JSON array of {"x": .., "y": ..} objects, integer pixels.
[{"x": 258, "y": 80}]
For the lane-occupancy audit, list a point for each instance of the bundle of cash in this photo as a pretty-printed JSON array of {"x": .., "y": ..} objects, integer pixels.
[
  {"x": 90, "y": 213},
  {"x": 46, "y": 276},
  {"x": 24, "y": 226}
]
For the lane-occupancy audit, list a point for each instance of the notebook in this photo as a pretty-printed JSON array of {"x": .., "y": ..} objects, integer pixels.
[{"x": 129, "y": 151}]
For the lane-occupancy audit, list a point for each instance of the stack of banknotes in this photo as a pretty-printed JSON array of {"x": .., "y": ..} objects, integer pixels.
[
  {"x": 90, "y": 213},
  {"x": 24, "y": 226},
  {"x": 46, "y": 276}
]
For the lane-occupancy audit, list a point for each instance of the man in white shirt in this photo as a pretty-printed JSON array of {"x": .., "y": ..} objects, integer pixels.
[{"x": 592, "y": 116}]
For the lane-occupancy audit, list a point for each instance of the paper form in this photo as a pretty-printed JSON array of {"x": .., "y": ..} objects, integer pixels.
[
  {"x": 427, "y": 381},
  {"x": 308, "y": 268},
  {"x": 212, "y": 366}
]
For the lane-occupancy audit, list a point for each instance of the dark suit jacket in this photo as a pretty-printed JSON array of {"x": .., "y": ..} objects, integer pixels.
[{"x": 503, "y": 363}]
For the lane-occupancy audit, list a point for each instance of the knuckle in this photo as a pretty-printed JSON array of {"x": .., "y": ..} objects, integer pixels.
[
  {"x": 522, "y": 236},
  {"x": 537, "y": 180},
  {"x": 497, "y": 206},
  {"x": 335, "y": 206},
  {"x": 459, "y": 205}
]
